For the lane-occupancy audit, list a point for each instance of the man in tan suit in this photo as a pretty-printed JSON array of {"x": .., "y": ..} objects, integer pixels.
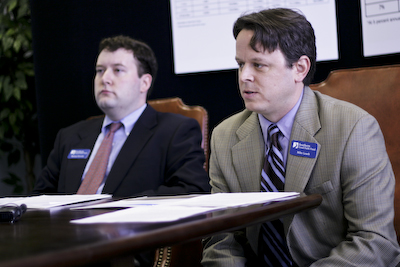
[{"x": 329, "y": 147}]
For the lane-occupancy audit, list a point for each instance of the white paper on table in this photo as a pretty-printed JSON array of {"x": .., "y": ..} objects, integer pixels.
[
  {"x": 50, "y": 201},
  {"x": 224, "y": 200},
  {"x": 137, "y": 202},
  {"x": 186, "y": 207},
  {"x": 149, "y": 214},
  {"x": 221, "y": 200}
]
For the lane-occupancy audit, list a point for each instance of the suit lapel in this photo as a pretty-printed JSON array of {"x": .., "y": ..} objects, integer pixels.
[
  {"x": 137, "y": 139},
  {"x": 86, "y": 140},
  {"x": 247, "y": 154},
  {"x": 306, "y": 125}
]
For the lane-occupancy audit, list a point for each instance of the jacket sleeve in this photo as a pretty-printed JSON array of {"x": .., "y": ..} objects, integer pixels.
[
  {"x": 367, "y": 185},
  {"x": 47, "y": 181},
  {"x": 184, "y": 167}
]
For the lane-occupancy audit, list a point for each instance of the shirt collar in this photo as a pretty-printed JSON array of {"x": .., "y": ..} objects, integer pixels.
[
  {"x": 285, "y": 124},
  {"x": 128, "y": 122}
]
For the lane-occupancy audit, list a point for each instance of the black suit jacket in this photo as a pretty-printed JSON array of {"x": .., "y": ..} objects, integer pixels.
[{"x": 161, "y": 156}]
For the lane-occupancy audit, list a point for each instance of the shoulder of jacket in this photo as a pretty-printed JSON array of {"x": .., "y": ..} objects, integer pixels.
[
  {"x": 235, "y": 121},
  {"x": 335, "y": 104}
]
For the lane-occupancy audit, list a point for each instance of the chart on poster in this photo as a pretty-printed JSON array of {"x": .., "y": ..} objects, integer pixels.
[
  {"x": 202, "y": 30},
  {"x": 380, "y": 27}
]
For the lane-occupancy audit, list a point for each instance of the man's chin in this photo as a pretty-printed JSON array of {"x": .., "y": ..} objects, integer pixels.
[
  {"x": 250, "y": 106},
  {"x": 104, "y": 106},
  {"x": 105, "y": 102}
]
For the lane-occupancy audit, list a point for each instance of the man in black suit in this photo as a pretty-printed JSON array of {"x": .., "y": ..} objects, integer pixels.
[{"x": 153, "y": 153}]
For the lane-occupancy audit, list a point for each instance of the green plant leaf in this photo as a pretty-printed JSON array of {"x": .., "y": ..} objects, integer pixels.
[
  {"x": 26, "y": 67},
  {"x": 10, "y": 32},
  {"x": 16, "y": 72},
  {"x": 23, "y": 9},
  {"x": 17, "y": 93},
  {"x": 29, "y": 105},
  {"x": 8, "y": 89},
  {"x": 30, "y": 72},
  {"x": 12, "y": 4},
  {"x": 20, "y": 80},
  {"x": 7, "y": 42},
  {"x": 17, "y": 45},
  {"x": 4, "y": 113}
]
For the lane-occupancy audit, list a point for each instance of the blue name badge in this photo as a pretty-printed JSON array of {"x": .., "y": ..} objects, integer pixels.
[
  {"x": 303, "y": 149},
  {"x": 79, "y": 154}
]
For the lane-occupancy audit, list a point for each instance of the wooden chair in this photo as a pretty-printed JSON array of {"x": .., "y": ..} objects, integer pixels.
[
  {"x": 376, "y": 90},
  {"x": 189, "y": 253}
]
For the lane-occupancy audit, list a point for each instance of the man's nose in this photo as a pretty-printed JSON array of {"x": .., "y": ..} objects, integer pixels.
[
  {"x": 246, "y": 74},
  {"x": 107, "y": 76}
]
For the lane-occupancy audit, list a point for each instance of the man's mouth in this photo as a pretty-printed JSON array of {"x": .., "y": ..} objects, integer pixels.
[
  {"x": 247, "y": 92},
  {"x": 105, "y": 91}
]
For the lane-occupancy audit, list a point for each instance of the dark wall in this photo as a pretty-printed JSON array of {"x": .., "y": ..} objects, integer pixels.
[{"x": 66, "y": 36}]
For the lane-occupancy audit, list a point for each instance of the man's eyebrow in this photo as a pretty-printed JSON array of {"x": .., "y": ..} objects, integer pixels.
[
  {"x": 254, "y": 59},
  {"x": 257, "y": 59},
  {"x": 118, "y": 65},
  {"x": 113, "y": 65}
]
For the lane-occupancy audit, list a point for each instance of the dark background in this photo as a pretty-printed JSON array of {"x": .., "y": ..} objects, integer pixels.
[{"x": 66, "y": 35}]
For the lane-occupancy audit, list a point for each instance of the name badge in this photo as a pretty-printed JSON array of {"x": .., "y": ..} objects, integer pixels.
[
  {"x": 303, "y": 149},
  {"x": 79, "y": 154}
]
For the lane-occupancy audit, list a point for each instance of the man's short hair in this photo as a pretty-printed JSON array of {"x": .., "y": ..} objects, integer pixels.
[
  {"x": 147, "y": 62},
  {"x": 283, "y": 29}
]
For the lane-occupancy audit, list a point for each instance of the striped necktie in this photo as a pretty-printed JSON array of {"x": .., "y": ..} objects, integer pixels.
[
  {"x": 97, "y": 170},
  {"x": 272, "y": 244}
]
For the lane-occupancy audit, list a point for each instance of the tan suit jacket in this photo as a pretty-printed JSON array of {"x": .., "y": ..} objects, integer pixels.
[{"x": 354, "y": 224}]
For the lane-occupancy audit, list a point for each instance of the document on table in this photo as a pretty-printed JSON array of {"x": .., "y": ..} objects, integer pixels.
[
  {"x": 158, "y": 211},
  {"x": 221, "y": 200},
  {"x": 50, "y": 201},
  {"x": 226, "y": 200},
  {"x": 137, "y": 202},
  {"x": 149, "y": 214}
]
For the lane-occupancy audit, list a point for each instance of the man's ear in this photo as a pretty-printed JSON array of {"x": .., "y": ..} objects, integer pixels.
[
  {"x": 302, "y": 67},
  {"x": 145, "y": 82}
]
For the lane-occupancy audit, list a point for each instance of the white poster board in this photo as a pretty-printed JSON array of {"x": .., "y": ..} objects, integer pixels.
[
  {"x": 380, "y": 27},
  {"x": 202, "y": 30}
]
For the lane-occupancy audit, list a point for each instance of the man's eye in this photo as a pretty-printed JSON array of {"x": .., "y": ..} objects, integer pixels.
[
  {"x": 256, "y": 65},
  {"x": 240, "y": 65},
  {"x": 99, "y": 70}
]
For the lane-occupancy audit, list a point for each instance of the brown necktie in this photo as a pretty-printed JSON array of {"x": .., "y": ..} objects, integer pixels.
[{"x": 97, "y": 170}]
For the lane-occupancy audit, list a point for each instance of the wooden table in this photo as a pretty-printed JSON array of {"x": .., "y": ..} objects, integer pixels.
[{"x": 47, "y": 238}]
